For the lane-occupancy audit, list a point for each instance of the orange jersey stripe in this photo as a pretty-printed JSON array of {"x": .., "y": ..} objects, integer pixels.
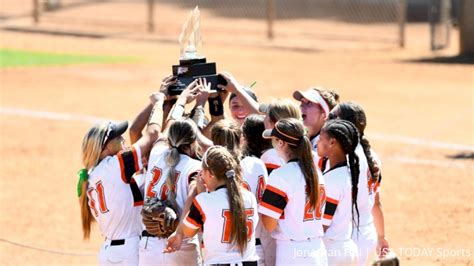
[
  {"x": 271, "y": 166},
  {"x": 135, "y": 159},
  {"x": 331, "y": 200},
  {"x": 122, "y": 167},
  {"x": 270, "y": 207},
  {"x": 277, "y": 191},
  {"x": 327, "y": 216}
]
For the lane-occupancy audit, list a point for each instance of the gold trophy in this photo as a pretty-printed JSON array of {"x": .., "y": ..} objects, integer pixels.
[{"x": 193, "y": 65}]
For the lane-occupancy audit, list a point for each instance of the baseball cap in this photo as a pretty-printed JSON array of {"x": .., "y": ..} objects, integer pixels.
[
  {"x": 280, "y": 134},
  {"x": 312, "y": 95},
  {"x": 248, "y": 91},
  {"x": 114, "y": 130}
]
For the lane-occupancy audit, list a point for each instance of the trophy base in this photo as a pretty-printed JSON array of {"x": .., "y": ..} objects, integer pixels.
[{"x": 190, "y": 69}]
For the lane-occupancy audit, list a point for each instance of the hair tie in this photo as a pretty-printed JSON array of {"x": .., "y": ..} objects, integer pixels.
[
  {"x": 83, "y": 176},
  {"x": 173, "y": 147},
  {"x": 230, "y": 173}
]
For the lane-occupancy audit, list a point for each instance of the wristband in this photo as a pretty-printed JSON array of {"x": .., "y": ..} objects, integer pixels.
[{"x": 216, "y": 108}]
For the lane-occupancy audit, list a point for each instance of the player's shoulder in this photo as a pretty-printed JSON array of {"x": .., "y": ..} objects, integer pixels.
[
  {"x": 339, "y": 176},
  {"x": 283, "y": 174},
  {"x": 159, "y": 149},
  {"x": 252, "y": 162},
  {"x": 271, "y": 156},
  {"x": 107, "y": 167}
]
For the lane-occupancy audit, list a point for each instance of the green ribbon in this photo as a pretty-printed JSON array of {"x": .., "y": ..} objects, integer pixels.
[{"x": 83, "y": 176}]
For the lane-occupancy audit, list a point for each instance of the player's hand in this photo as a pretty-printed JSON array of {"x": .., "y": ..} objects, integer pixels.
[
  {"x": 190, "y": 93},
  {"x": 232, "y": 83},
  {"x": 204, "y": 93},
  {"x": 156, "y": 97},
  {"x": 174, "y": 242},
  {"x": 382, "y": 247}
]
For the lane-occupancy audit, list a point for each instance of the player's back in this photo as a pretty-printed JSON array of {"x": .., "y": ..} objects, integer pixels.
[
  {"x": 298, "y": 221},
  {"x": 157, "y": 174},
  {"x": 254, "y": 174},
  {"x": 111, "y": 200},
  {"x": 217, "y": 227},
  {"x": 338, "y": 192}
]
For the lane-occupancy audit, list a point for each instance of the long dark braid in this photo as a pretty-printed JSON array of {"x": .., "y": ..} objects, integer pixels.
[
  {"x": 354, "y": 113},
  {"x": 348, "y": 137}
]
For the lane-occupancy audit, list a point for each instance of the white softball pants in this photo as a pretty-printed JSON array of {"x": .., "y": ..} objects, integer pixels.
[
  {"x": 341, "y": 253},
  {"x": 151, "y": 254},
  {"x": 123, "y": 254}
]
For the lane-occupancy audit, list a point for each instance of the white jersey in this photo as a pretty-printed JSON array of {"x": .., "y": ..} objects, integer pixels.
[
  {"x": 367, "y": 188},
  {"x": 272, "y": 160},
  {"x": 254, "y": 174},
  {"x": 338, "y": 211},
  {"x": 285, "y": 199},
  {"x": 155, "y": 180},
  {"x": 211, "y": 212},
  {"x": 114, "y": 197}
]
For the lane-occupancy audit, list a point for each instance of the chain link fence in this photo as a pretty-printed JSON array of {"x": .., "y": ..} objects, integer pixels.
[{"x": 305, "y": 23}]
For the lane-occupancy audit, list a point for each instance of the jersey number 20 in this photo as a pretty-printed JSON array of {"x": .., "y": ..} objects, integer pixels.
[
  {"x": 310, "y": 213},
  {"x": 227, "y": 225}
]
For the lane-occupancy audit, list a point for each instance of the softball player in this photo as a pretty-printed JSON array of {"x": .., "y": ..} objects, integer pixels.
[
  {"x": 368, "y": 237},
  {"x": 242, "y": 101},
  {"x": 275, "y": 111},
  {"x": 107, "y": 191},
  {"x": 316, "y": 103},
  {"x": 338, "y": 141},
  {"x": 171, "y": 173},
  {"x": 254, "y": 173},
  {"x": 294, "y": 197},
  {"x": 252, "y": 141},
  {"x": 227, "y": 214}
]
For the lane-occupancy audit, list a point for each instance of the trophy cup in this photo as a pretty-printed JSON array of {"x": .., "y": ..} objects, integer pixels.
[{"x": 192, "y": 65}]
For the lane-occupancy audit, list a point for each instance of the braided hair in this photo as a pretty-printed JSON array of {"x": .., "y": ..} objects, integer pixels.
[
  {"x": 354, "y": 113},
  {"x": 347, "y": 136}
]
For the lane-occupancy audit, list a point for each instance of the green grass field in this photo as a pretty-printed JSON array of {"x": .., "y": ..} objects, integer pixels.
[{"x": 17, "y": 58}]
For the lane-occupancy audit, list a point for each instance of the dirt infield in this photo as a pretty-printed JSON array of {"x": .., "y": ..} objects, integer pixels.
[{"x": 419, "y": 116}]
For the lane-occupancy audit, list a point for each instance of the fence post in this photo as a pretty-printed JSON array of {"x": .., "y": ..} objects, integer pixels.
[
  {"x": 270, "y": 18},
  {"x": 151, "y": 13},
  {"x": 402, "y": 18},
  {"x": 36, "y": 11}
]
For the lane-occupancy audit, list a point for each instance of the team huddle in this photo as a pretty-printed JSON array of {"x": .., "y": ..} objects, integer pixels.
[{"x": 275, "y": 184}]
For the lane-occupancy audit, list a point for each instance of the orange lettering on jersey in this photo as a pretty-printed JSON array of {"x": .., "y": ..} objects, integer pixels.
[
  {"x": 315, "y": 213},
  {"x": 246, "y": 185},
  {"x": 99, "y": 188},
  {"x": 157, "y": 172},
  {"x": 227, "y": 226},
  {"x": 101, "y": 197},
  {"x": 92, "y": 202},
  {"x": 156, "y": 177}
]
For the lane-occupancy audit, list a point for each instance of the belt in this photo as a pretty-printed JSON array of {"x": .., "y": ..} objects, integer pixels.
[
  {"x": 257, "y": 242},
  {"x": 117, "y": 242},
  {"x": 244, "y": 263},
  {"x": 145, "y": 233}
]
